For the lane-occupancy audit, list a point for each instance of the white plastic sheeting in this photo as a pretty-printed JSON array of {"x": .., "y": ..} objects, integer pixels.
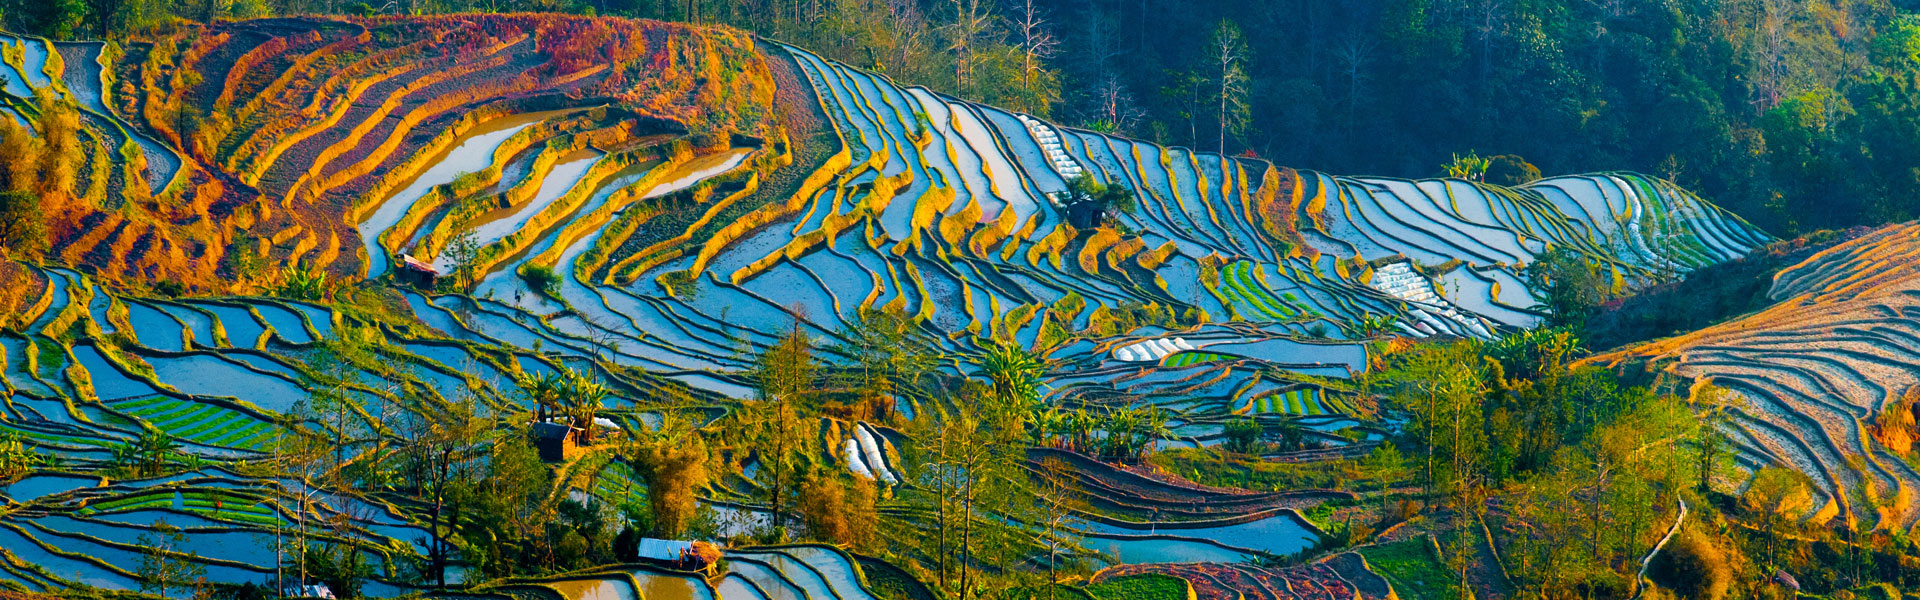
[
  {"x": 871, "y": 446},
  {"x": 1150, "y": 350}
]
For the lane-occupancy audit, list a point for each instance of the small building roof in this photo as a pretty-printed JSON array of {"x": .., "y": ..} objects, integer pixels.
[
  {"x": 410, "y": 262},
  {"x": 551, "y": 431}
]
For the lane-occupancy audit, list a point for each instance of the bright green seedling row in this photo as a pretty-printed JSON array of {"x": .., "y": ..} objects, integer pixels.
[
  {"x": 203, "y": 423},
  {"x": 1188, "y": 359},
  {"x": 1299, "y": 401}
]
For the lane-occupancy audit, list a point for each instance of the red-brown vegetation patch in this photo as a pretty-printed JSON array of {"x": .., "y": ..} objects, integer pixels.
[
  {"x": 316, "y": 110},
  {"x": 1237, "y": 582},
  {"x": 20, "y": 289}
]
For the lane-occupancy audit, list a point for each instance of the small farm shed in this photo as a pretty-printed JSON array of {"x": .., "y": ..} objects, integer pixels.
[
  {"x": 555, "y": 441},
  {"x": 1086, "y": 214},
  {"x": 414, "y": 271}
]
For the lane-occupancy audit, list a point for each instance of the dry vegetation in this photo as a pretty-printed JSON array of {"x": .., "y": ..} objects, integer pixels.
[{"x": 291, "y": 129}]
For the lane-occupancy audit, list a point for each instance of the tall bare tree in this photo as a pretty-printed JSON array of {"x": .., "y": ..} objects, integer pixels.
[
  {"x": 1116, "y": 111},
  {"x": 1058, "y": 505},
  {"x": 1227, "y": 52},
  {"x": 1355, "y": 55},
  {"x": 1772, "y": 50},
  {"x": 1037, "y": 44},
  {"x": 440, "y": 450},
  {"x": 784, "y": 437},
  {"x": 972, "y": 20}
]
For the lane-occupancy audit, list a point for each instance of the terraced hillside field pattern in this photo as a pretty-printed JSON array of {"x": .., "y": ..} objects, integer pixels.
[
  {"x": 1818, "y": 374},
  {"x": 695, "y": 195}
]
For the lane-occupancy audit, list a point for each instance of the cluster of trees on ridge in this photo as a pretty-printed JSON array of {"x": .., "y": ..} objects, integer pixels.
[{"x": 1799, "y": 115}]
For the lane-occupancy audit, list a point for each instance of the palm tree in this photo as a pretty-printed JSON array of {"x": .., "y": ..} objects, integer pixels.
[
  {"x": 1082, "y": 424},
  {"x": 543, "y": 391},
  {"x": 1153, "y": 428},
  {"x": 146, "y": 456},
  {"x": 1049, "y": 424},
  {"x": 1121, "y": 423},
  {"x": 1014, "y": 372},
  {"x": 583, "y": 396}
]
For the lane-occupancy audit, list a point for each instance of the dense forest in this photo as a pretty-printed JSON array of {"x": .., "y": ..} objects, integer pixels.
[{"x": 1799, "y": 115}]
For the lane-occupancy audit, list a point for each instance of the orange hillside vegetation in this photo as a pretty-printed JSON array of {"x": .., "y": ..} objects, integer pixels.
[{"x": 273, "y": 137}]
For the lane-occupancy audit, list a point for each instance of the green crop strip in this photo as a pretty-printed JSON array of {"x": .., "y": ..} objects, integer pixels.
[
  {"x": 131, "y": 503},
  {"x": 1190, "y": 358}
]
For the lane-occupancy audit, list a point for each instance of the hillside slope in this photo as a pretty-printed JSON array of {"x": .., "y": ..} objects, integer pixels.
[
  {"x": 684, "y": 198},
  {"x": 276, "y": 136},
  {"x": 685, "y": 193},
  {"x": 1826, "y": 375}
]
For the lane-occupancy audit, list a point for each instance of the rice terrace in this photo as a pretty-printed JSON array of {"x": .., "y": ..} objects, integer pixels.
[{"x": 957, "y": 299}]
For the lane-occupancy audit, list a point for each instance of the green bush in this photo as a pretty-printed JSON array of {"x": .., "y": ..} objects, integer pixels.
[
  {"x": 1508, "y": 169},
  {"x": 1243, "y": 435},
  {"x": 1413, "y": 569},
  {"x": 1145, "y": 586},
  {"x": 541, "y": 278},
  {"x": 1692, "y": 568}
]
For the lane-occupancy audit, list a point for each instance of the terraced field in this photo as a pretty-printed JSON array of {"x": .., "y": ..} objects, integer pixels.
[
  {"x": 1816, "y": 372},
  {"x": 798, "y": 572},
  {"x": 809, "y": 572},
  {"x": 259, "y": 136},
  {"x": 685, "y": 231},
  {"x": 224, "y": 405}
]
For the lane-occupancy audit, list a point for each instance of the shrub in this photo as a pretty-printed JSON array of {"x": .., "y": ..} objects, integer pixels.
[
  {"x": 1107, "y": 197},
  {"x": 1508, "y": 169},
  {"x": 541, "y": 278},
  {"x": 1243, "y": 435},
  {"x": 17, "y": 459},
  {"x": 302, "y": 283},
  {"x": 1692, "y": 567},
  {"x": 23, "y": 227},
  {"x": 1470, "y": 167}
]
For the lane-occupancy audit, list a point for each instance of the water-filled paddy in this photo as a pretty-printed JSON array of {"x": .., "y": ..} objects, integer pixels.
[
  {"x": 595, "y": 589},
  {"x": 209, "y": 375},
  {"x": 108, "y": 382},
  {"x": 472, "y": 153},
  {"x": 35, "y": 486},
  {"x": 242, "y": 329},
  {"x": 285, "y": 322}
]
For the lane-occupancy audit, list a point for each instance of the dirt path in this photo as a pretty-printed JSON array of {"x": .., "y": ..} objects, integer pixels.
[{"x": 1640, "y": 581}]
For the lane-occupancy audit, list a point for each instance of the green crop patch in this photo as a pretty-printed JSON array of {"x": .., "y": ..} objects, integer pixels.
[
  {"x": 134, "y": 405},
  {"x": 198, "y": 422},
  {"x": 1145, "y": 586},
  {"x": 1190, "y": 358},
  {"x": 131, "y": 503},
  {"x": 1413, "y": 569},
  {"x": 1298, "y": 401}
]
